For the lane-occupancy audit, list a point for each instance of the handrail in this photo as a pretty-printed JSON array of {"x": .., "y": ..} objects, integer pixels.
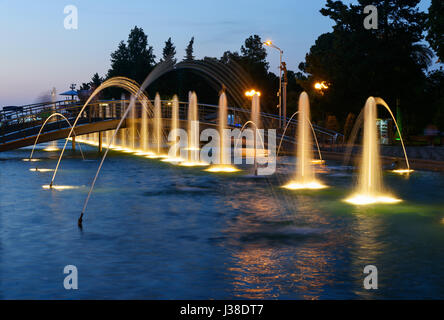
[{"x": 15, "y": 122}]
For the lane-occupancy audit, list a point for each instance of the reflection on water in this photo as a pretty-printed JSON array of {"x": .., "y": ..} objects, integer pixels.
[
  {"x": 278, "y": 256},
  {"x": 160, "y": 231}
]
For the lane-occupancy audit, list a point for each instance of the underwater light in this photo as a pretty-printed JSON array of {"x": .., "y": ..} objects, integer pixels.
[
  {"x": 172, "y": 159},
  {"x": 40, "y": 170},
  {"x": 294, "y": 185},
  {"x": 402, "y": 171},
  {"x": 59, "y": 187},
  {"x": 193, "y": 164},
  {"x": 222, "y": 168},
  {"x": 365, "y": 199}
]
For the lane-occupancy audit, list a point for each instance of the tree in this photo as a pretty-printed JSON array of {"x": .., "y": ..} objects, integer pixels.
[
  {"x": 389, "y": 62},
  {"x": 135, "y": 59},
  {"x": 254, "y": 52},
  {"x": 120, "y": 62},
  {"x": 189, "y": 50},
  {"x": 169, "y": 51},
  {"x": 141, "y": 55},
  {"x": 96, "y": 81},
  {"x": 436, "y": 28},
  {"x": 434, "y": 98}
]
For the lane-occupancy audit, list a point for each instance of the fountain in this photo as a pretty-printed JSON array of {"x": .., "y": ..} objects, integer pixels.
[
  {"x": 406, "y": 170},
  {"x": 224, "y": 145},
  {"x": 193, "y": 133},
  {"x": 132, "y": 127},
  {"x": 158, "y": 124},
  {"x": 41, "y": 129},
  {"x": 370, "y": 189},
  {"x": 173, "y": 154},
  {"x": 305, "y": 176},
  {"x": 144, "y": 133},
  {"x": 123, "y": 130},
  {"x": 53, "y": 144}
]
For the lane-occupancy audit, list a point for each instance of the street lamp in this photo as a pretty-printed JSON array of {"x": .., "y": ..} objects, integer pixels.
[
  {"x": 282, "y": 102},
  {"x": 321, "y": 86},
  {"x": 252, "y": 92}
]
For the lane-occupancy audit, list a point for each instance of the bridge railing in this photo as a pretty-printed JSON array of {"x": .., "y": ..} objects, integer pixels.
[{"x": 18, "y": 124}]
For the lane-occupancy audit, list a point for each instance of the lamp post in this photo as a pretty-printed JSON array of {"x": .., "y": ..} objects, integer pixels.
[
  {"x": 321, "y": 86},
  {"x": 281, "y": 68}
]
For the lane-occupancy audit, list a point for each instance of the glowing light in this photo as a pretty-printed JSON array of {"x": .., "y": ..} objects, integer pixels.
[
  {"x": 58, "y": 187},
  {"x": 51, "y": 149},
  {"x": 365, "y": 199},
  {"x": 252, "y": 92},
  {"x": 31, "y": 160},
  {"x": 402, "y": 171},
  {"x": 172, "y": 159},
  {"x": 268, "y": 43},
  {"x": 294, "y": 185},
  {"x": 142, "y": 153},
  {"x": 40, "y": 170},
  {"x": 222, "y": 168},
  {"x": 320, "y": 85},
  {"x": 156, "y": 156},
  {"x": 193, "y": 164},
  {"x": 318, "y": 161}
]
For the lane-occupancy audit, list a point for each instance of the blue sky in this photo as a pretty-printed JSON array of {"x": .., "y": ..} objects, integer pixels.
[{"x": 37, "y": 53}]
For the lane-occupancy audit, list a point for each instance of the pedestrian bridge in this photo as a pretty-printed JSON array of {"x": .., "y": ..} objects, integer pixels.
[{"x": 20, "y": 127}]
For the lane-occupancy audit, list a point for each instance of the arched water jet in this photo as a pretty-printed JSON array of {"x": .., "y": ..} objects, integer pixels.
[
  {"x": 120, "y": 82},
  {"x": 314, "y": 136},
  {"x": 305, "y": 176},
  {"x": 380, "y": 101},
  {"x": 370, "y": 189},
  {"x": 157, "y": 72},
  {"x": 43, "y": 125}
]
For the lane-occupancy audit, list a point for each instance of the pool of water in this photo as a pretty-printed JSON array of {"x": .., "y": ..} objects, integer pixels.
[{"x": 153, "y": 230}]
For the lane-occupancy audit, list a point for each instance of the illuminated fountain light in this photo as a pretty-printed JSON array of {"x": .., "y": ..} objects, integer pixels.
[
  {"x": 40, "y": 170},
  {"x": 305, "y": 173},
  {"x": 172, "y": 159},
  {"x": 295, "y": 185},
  {"x": 31, "y": 160},
  {"x": 224, "y": 155},
  {"x": 193, "y": 164},
  {"x": 370, "y": 187},
  {"x": 363, "y": 199},
  {"x": 318, "y": 161},
  {"x": 51, "y": 149},
  {"x": 156, "y": 156},
  {"x": 59, "y": 187},
  {"x": 402, "y": 171},
  {"x": 143, "y": 153},
  {"x": 219, "y": 168},
  {"x": 128, "y": 150}
]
